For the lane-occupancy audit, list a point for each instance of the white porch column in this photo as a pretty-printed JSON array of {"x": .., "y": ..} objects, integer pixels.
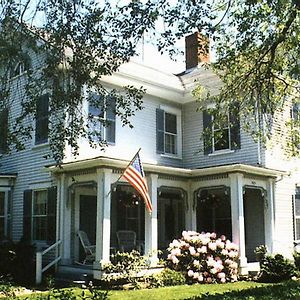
[
  {"x": 190, "y": 215},
  {"x": 269, "y": 215},
  {"x": 65, "y": 220},
  {"x": 103, "y": 217},
  {"x": 151, "y": 230},
  {"x": 237, "y": 217}
]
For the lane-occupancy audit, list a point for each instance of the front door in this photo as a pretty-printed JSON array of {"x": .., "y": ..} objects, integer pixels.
[{"x": 254, "y": 221}]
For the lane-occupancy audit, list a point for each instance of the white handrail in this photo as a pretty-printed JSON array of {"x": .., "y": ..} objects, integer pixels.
[{"x": 39, "y": 262}]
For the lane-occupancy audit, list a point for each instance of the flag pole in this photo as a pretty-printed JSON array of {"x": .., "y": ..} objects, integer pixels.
[{"x": 124, "y": 170}]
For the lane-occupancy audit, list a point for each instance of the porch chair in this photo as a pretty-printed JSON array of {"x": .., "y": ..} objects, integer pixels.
[
  {"x": 126, "y": 240},
  {"x": 89, "y": 250}
]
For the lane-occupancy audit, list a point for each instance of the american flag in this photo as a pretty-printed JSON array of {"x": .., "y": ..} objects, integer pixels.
[{"x": 135, "y": 175}]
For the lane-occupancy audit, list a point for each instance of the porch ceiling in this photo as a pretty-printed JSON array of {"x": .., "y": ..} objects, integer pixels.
[{"x": 113, "y": 163}]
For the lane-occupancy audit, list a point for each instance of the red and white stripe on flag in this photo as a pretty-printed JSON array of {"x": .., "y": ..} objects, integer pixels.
[{"x": 134, "y": 174}]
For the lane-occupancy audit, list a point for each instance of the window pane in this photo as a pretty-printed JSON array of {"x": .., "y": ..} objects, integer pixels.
[
  {"x": 40, "y": 203},
  {"x": 42, "y": 121},
  {"x": 170, "y": 123},
  {"x": 2, "y": 199},
  {"x": 170, "y": 143},
  {"x": 39, "y": 228},
  {"x": 221, "y": 139}
]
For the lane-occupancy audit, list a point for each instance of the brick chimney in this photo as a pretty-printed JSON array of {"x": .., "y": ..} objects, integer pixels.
[{"x": 196, "y": 50}]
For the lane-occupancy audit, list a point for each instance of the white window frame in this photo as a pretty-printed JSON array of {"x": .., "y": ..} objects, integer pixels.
[
  {"x": 102, "y": 129},
  {"x": 34, "y": 191},
  {"x": 178, "y": 113},
  {"x": 226, "y": 150}
]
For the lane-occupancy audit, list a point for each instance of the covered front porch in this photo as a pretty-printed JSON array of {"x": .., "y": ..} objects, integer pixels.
[{"x": 227, "y": 200}]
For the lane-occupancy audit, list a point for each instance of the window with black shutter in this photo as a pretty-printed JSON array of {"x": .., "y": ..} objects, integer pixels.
[{"x": 39, "y": 215}]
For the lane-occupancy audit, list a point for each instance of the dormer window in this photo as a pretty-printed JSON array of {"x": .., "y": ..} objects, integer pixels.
[{"x": 102, "y": 119}]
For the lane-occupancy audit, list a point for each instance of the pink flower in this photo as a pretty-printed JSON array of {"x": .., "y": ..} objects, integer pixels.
[
  {"x": 175, "y": 260},
  {"x": 196, "y": 275},
  {"x": 190, "y": 273},
  {"x": 209, "y": 280},
  {"x": 200, "y": 278},
  {"x": 223, "y": 238},
  {"x": 196, "y": 263},
  {"x": 223, "y": 280},
  {"x": 212, "y": 246},
  {"x": 221, "y": 275},
  {"x": 220, "y": 244},
  {"x": 192, "y": 250},
  {"x": 203, "y": 249},
  {"x": 224, "y": 252},
  {"x": 213, "y": 235}
]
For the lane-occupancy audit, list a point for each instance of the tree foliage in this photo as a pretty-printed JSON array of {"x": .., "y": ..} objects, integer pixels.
[{"x": 79, "y": 42}]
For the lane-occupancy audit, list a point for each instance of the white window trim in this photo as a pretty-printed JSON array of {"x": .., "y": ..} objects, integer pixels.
[
  {"x": 39, "y": 188},
  {"x": 178, "y": 113},
  {"x": 86, "y": 108},
  {"x": 221, "y": 151}
]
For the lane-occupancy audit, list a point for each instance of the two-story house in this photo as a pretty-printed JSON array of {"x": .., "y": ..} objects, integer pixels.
[{"x": 235, "y": 186}]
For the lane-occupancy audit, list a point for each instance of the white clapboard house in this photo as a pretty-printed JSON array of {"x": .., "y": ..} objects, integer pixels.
[{"x": 238, "y": 187}]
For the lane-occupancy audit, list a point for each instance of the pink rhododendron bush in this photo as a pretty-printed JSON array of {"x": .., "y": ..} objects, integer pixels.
[{"x": 204, "y": 257}]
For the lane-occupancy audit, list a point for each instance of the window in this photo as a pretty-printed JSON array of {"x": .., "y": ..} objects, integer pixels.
[
  {"x": 297, "y": 214},
  {"x": 20, "y": 65},
  {"x": 3, "y": 130},
  {"x": 102, "y": 118},
  {"x": 4, "y": 215},
  {"x": 168, "y": 138},
  {"x": 39, "y": 221},
  {"x": 214, "y": 211},
  {"x": 222, "y": 132},
  {"x": 42, "y": 119}
]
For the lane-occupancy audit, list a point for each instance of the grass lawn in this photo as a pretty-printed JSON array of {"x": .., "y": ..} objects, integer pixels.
[
  {"x": 182, "y": 291},
  {"x": 230, "y": 291}
]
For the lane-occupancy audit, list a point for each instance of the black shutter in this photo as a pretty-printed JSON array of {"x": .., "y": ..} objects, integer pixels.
[
  {"x": 27, "y": 215},
  {"x": 235, "y": 134},
  {"x": 3, "y": 130},
  {"x": 51, "y": 215},
  {"x": 207, "y": 132},
  {"x": 160, "y": 131},
  {"x": 111, "y": 119}
]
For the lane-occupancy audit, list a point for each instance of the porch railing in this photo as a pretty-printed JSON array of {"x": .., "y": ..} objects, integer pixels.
[{"x": 39, "y": 262}]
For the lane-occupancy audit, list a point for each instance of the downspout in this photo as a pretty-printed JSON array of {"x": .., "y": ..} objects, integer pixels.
[{"x": 259, "y": 139}]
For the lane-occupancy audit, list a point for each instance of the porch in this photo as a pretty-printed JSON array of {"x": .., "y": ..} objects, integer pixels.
[{"x": 227, "y": 200}]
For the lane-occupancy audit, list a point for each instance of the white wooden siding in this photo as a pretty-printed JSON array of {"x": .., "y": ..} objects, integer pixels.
[{"x": 193, "y": 155}]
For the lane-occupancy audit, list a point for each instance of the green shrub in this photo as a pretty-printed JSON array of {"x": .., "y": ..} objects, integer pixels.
[
  {"x": 17, "y": 262},
  {"x": 123, "y": 268},
  {"x": 296, "y": 256},
  {"x": 274, "y": 268},
  {"x": 166, "y": 277}
]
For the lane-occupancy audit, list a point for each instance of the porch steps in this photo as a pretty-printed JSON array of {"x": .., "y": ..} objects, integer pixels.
[{"x": 73, "y": 275}]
